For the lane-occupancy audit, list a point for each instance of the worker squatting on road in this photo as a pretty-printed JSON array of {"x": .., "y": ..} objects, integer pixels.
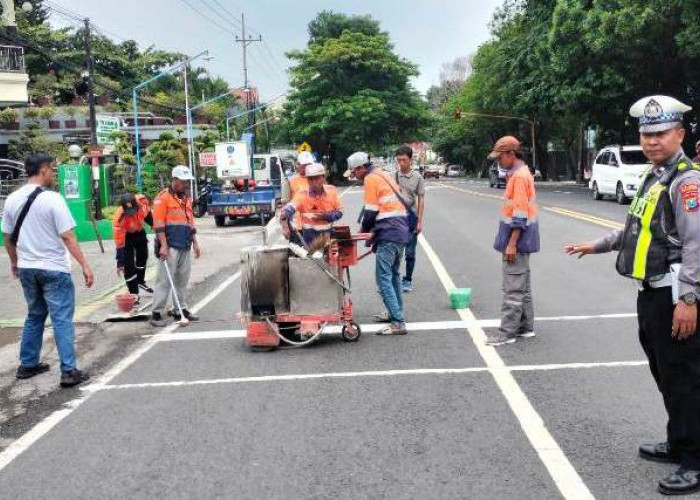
[
  {"x": 316, "y": 208},
  {"x": 385, "y": 216},
  {"x": 518, "y": 236},
  {"x": 131, "y": 241},
  {"x": 660, "y": 249},
  {"x": 176, "y": 237}
]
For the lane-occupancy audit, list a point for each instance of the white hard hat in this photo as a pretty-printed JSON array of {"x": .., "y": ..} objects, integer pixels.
[
  {"x": 658, "y": 113},
  {"x": 356, "y": 160},
  {"x": 183, "y": 173},
  {"x": 305, "y": 158},
  {"x": 315, "y": 169}
]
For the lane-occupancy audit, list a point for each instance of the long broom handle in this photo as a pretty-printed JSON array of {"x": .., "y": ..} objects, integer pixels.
[{"x": 172, "y": 286}]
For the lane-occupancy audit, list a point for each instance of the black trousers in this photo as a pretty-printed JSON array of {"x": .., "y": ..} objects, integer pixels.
[
  {"x": 135, "y": 260},
  {"x": 675, "y": 366}
]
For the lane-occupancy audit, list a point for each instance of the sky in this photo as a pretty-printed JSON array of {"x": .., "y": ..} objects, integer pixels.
[{"x": 428, "y": 33}]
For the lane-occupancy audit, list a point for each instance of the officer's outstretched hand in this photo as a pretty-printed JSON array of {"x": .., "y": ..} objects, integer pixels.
[
  {"x": 580, "y": 249},
  {"x": 685, "y": 321}
]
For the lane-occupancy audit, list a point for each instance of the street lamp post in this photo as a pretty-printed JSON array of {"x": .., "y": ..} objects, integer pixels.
[
  {"x": 519, "y": 118},
  {"x": 134, "y": 98}
]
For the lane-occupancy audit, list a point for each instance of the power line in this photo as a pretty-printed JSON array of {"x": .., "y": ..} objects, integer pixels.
[
  {"x": 205, "y": 16},
  {"x": 78, "y": 70},
  {"x": 223, "y": 14}
]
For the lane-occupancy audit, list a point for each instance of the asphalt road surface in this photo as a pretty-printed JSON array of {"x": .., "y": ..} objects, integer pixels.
[{"x": 192, "y": 413}]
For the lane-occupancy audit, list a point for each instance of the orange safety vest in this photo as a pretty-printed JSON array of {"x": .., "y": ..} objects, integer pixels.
[
  {"x": 519, "y": 200},
  {"x": 173, "y": 216},
  {"x": 381, "y": 198},
  {"x": 123, "y": 224},
  {"x": 310, "y": 209},
  {"x": 297, "y": 185}
]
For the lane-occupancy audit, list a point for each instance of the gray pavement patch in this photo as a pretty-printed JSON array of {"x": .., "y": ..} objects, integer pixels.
[
  {"x": 577, "y": 341},
  {"x": 451, "y": 437},
  {"x": 197, "y": 360},
  {"x": 599, "y": 418}
]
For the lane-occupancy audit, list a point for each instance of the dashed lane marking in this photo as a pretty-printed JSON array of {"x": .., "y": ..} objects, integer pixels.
[{"x": 560, "y": 469}]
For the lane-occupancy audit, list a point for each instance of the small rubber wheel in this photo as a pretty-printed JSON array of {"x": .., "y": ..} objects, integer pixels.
[{"x": 351, "y": 332}]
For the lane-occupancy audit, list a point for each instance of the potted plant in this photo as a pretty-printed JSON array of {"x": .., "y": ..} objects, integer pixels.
[
  {"x": 8, "y": 119},
  {"x": 32, "y": 114},
  {"x": 71, "y": 112},
  {"x": 48, "y": 113}
]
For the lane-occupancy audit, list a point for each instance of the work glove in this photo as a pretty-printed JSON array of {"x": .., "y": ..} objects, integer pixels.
[{"x": 332, "y": 216}]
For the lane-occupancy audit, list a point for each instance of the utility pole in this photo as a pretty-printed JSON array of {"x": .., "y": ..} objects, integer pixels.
[
  {"x": 245, "y": 40},
  {"x": 94, "y": 148}
]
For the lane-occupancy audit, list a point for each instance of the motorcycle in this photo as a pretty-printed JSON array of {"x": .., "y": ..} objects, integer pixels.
[{"x": 199, "y": 207}]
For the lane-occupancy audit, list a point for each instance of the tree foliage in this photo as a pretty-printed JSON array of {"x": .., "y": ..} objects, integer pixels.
[
  {"x": 350, "y": 90},
  {"x": 574, "y": 63}
]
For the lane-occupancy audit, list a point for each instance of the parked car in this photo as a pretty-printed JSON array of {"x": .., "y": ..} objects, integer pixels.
[
  {"x": 497, "y": 176},
  {"x": 453, "y": 171},
  {"x": 431, "y": 171},
  {"x": 617, "y": 171}
]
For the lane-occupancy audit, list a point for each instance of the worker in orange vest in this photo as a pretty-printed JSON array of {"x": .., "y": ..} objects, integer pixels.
[
  {"x": 316, "y": 209},
  {"x": 130, "y": 240}
]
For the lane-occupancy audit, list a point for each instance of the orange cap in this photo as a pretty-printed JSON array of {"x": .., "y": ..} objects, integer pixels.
[{"x": 503, "y": 145}]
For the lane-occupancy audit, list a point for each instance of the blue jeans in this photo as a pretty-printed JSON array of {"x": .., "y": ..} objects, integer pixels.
[
  {"x": 388, "y": 278},
  {"x": 48, "y": 293},
  {"x": 411, "y": 257}
]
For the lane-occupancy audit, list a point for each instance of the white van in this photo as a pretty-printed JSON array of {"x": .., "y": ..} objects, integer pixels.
[{"x": 617, "y": 171}]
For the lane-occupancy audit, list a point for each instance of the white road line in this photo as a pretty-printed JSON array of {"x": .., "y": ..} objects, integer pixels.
[
  {"x": 302, "y": 376},
  {"x": 495, "y": 323},
  {"x": 184, "y": 335},
  {"x": 42, "y": 428},
  {"x": 563, "y": 473},
  {"x": 576, "y": 366},
  {"x": 377, "y": 373}
]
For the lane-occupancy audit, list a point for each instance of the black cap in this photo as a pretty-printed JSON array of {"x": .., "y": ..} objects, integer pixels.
[{"x": 129, "y": 204}]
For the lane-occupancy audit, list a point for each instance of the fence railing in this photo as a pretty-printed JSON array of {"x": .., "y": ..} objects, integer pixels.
[
  {"x": 12, "y": 177},
  {"x": 11, "y": 59}
]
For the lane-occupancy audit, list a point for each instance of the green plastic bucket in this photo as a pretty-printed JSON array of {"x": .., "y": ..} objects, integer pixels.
[{"x": 460, "y": 298}]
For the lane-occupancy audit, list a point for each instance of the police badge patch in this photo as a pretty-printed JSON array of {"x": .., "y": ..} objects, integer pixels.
[
  {"x": 689, "y": 193},
  {"x": 653, "y": 109}
]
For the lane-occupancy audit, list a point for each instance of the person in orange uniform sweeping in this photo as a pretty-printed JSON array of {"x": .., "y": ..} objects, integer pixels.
[
  {"x": 317, "y": 208},
  {"x": 131, "y": 242},
  {"x": 176, "y": 240}
]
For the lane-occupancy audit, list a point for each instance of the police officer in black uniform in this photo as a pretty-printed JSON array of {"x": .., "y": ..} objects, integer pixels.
[{"x": 660, "y": 249}]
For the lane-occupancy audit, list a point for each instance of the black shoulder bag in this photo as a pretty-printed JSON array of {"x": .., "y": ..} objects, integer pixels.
[{"x": 23, "y": 214}]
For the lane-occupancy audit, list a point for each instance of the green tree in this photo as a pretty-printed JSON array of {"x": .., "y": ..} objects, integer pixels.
[
  {"x": 164, "y": 154},
  {"x": 350, "y": 90}
]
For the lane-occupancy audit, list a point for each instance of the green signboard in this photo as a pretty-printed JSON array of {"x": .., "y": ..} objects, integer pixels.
[{"x": 106, "y": 125}]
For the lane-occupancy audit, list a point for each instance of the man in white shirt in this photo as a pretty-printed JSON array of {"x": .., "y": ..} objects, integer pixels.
[{"x": 40, "y": 242}]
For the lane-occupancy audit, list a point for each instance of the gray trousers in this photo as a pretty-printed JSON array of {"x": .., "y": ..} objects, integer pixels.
[
  {"x": 180, "y": 265},
  {"x": 517, "y": 312}
]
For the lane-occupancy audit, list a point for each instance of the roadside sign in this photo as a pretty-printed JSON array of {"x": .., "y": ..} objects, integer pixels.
[
  {"x": 232, "y": 160},
  {"x": 207, "y": 159},
  {"x": 304, "y": 146},
  {"x": 105, "y": 125}
]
